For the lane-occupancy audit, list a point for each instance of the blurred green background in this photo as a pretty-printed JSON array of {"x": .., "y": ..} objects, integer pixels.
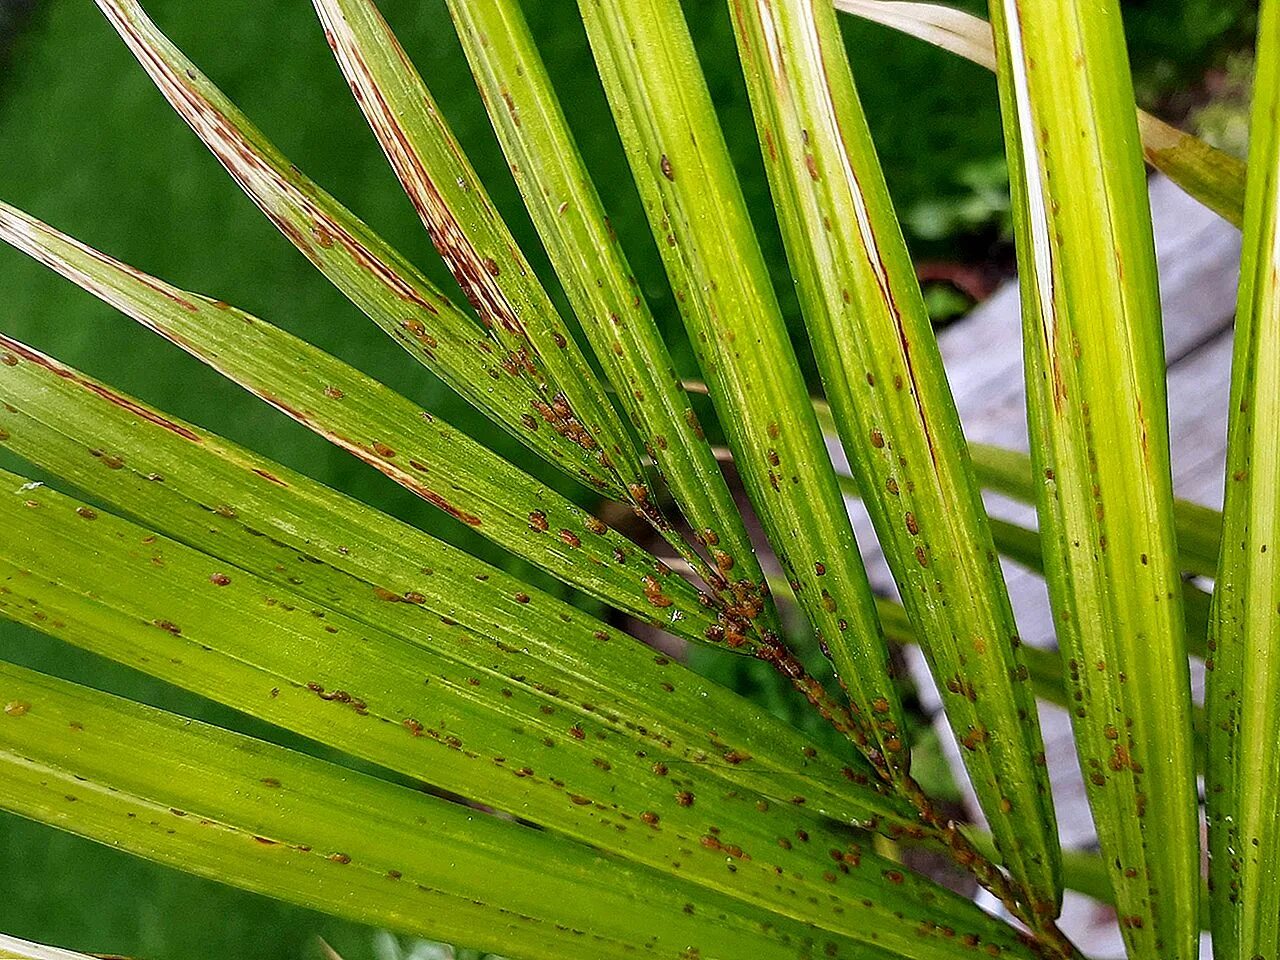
[{"x": 88, "y": 145}]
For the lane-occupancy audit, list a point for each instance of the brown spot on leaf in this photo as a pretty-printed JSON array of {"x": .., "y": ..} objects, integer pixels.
[{"x": 653, "y": 592}]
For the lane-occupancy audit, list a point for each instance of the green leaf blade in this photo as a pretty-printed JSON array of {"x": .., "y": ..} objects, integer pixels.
[
  {"x": 377, "y": 279},
  {"x": 540, "y": 754},
  {"x": 385, "y": 430},
  {"x": 1242, "y": 783},
  {"x": 270, "y": 820},
  {"x": 700, "y": 222},
  {"x": 471, "y": 236},
  {"x": 883, "y": 375},
  {"x": 262, "y": 517},
  {"x": 1098, "y": 416},
  {"x": 570, "y": 218},
  {"x": 1199, "y": 528}
]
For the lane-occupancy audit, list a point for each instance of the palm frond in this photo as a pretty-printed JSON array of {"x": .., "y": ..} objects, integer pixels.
[
  {"x": 701, "y": 225},
  {"x": 882, "y": 373},
  {"x": 503, "y": 764},
  {"x": 1097, "y": 412},
  {"x": 253, "y": 514},
  {"x": 278, "y": 822},
  {"x": 153, "y": 604},
  {"x": 377, "y": 279},
  {"x": 470, "y": 235},
  {"x": 592, "y": 267},
  {"x": 416, "y": 449},
  {"x": 1242, "y": 784}
]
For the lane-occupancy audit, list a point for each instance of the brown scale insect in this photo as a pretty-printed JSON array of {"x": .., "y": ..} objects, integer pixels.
[{"x": 653, "y": 592}]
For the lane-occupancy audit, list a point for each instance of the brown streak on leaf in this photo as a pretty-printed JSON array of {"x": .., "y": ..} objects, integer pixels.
[{"x": 66, "y": 373}]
